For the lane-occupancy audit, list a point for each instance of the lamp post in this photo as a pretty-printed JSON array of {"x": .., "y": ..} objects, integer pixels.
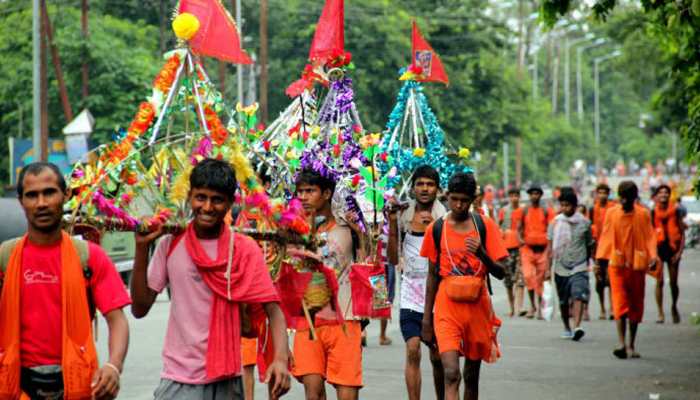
[
  {"x": 567, "y": 71},
  {"x": 596, "y": 100},
  {"x": 579, "y": 83}
]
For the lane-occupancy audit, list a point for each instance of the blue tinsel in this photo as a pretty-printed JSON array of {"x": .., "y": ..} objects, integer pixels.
[{"x": 403, "y": 158}]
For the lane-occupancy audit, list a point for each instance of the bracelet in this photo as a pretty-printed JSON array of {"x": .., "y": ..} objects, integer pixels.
[{"x": 110, "y": 365}]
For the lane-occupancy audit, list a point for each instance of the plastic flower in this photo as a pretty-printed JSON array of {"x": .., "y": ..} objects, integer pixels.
[
  {"x": 419, "y": 152},
  {"x": 464, "y": 152},
  {"x": 370, "y": 140}
]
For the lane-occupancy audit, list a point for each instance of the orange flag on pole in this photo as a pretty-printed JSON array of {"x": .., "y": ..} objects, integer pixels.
[
  {"x": 427, "y": 59},
  {"x": 329, "y": 39},
  {"x": 218, "y": 35}
]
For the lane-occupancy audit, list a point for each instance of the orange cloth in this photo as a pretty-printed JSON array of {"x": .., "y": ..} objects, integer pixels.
[
  {"x": 666, "y": 226},
  {"x": 535, "y": 225},
  {"x": 510, "y": 232},
  {"x": 534, "y": 266},
  {"x": 627, "y": 293},
  {"x": 599, "y": 217},
  {"x": 335, "y": 356},
  {"x": 79, "y": 357},
  {"x": 469, "y": 328},
  {"x": 249, "y": 351},
  {"x": 627, "y": 239}
]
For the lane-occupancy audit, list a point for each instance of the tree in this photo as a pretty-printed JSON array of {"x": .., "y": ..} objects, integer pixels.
[{"x": 122, "y": 62}]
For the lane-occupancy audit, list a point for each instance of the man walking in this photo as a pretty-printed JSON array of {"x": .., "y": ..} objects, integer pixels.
[
  {"x": 670, "y": 240},
  {"x": 462, "y": 249},
  {"x": 533, "y": 258},
  {"x": 570, "y": 248},
  {"x": 509, "y": 220},
  {"x": 408, "y": 227},
  {"x": 628, "y": 247},
  {"x": 51, "y": 284},
  {"x": 598, "y": 212},
  {"x": 211, "y": 271}
]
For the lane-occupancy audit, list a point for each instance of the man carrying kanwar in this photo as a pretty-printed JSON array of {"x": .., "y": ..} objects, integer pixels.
[
  {"x": 462, "y": 248},
  {"x": 509, "y": 220},
  {"x": 212, "y": 272},
  {"x": 51, "y": 285},
  {"x": 627, "y": 248}
]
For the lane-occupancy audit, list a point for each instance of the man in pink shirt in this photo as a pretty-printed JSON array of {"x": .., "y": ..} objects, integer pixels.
[{"x": 202, "y": 350}]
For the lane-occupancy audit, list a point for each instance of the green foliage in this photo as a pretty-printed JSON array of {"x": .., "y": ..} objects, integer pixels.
[{"x": 122, "y": 64}]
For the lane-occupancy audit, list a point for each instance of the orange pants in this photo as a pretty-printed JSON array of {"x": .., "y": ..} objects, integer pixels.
[
  {"x": 627, "y": 292},
  {"x": 249, "y": 351},
  {"x": 468, "y": 328},
  {"x": 534, "y": 267},
  {"x": 335, "y": 356}
]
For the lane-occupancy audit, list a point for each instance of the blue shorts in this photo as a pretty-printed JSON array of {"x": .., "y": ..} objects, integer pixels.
[
  {"x": 574, "y": 287},
  {"x": 411, "y": 323}
]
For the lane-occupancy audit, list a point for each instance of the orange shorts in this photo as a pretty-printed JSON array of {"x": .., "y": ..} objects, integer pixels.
[
  {"x": 627, "y": 293},
  {"x": 335, "y": 356},
  {"x": 534, "y": 266},
  {"x": 249, "y": 351},
  {"x": 468, "y": 328}
]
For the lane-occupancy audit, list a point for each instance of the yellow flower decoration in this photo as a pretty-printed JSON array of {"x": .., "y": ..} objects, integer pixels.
[
  {"x": 419, "y": 152},
  {"x": 464, "y": 152},
  {"x": 249, "y": 110},
  {"x": 185, "y": 26}
]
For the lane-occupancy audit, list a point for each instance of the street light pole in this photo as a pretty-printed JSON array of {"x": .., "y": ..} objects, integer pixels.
[
  {"x": 239, "y": 67},
  {"x": 579, "y": 79},
  {"x": 567, "y": 71},
  {"x": 596, "y": 101}
]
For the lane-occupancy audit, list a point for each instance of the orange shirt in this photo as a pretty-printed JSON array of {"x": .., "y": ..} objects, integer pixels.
[
  {"x": 627, "y": 239},
  {"x": 535, "y": 225},
  {"x": 456, "y": 255},
  {"x": 667, "y": 227},
  {"x": 599, "y": 217},
  {"x": 510, "y": 231}
]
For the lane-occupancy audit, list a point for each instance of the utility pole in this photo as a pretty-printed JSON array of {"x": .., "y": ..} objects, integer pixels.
[
  {"x": 56, "y": 60},
  {"x": 239, "y": 67},
  {"x": 506, "y": 180},
  {"x": 567, "y": 72},
  {"x": 43, "y": 154},
  {"x": 579, "y": 77},
  {"x": 521, "y": 65},
  {"x": 162, "y": 26},
  {"x": 555, "y": 80},
  {"x": 36, "y": 79},
  {"x": 596, "y": 102},
  {"x": 264, "y": 9},
  {"x": 84, "y": 67}
]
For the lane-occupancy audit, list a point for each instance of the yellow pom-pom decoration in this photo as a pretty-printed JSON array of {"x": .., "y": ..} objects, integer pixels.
[
  {"x": 418, "y": 152},
  {"x": 464, "y": 152},
  {"x": 185, "y": 26}
]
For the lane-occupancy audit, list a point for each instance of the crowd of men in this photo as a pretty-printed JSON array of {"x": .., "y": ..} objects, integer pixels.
[{"x": 445, "y": 254}]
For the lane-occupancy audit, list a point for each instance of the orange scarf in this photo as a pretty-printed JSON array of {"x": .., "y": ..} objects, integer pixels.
[
  {"x": 79, "y": 357},
  {"x": 666, "y": 225},
  {"x": 627, "y": 239}
]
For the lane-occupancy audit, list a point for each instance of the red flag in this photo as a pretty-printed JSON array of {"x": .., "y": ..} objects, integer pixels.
[
  {"x": 329, "y": 39},
  {"x": 218, "y": 35},
  {"x": 427, "y": 59}
]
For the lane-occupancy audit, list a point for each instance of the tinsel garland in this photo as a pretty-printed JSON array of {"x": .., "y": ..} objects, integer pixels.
[{"x": 404, "y": 158}]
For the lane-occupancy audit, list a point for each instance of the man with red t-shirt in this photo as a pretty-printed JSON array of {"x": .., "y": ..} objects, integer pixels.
[
  {"x": 598, "y": 212},
  {"x": 533, "y": 255},
  {"x": 509, "y": 220},
  {"x": 50, "y": 282}
]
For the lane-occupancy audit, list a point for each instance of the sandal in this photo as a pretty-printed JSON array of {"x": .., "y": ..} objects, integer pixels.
[{"x": 620, "y": 353}]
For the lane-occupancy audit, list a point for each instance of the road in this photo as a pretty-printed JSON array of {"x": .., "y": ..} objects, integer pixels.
[{"x": 536, "y": 364}]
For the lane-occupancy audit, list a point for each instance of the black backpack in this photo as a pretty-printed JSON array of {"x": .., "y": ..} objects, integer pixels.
[{"x": 480, "y": 229}]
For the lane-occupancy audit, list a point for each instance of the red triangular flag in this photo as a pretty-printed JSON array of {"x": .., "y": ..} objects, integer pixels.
[
  {"x": 329, "y": 39},
  {"x": 427, "y": 59},
  {"x": 218, "y": 35}
]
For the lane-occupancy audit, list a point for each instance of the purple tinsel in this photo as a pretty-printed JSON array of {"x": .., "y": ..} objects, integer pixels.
[
  {"x": 320, "y": 160},
  {"x": 342, "y": 96},
  {"x": 353, "y": 207}
]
